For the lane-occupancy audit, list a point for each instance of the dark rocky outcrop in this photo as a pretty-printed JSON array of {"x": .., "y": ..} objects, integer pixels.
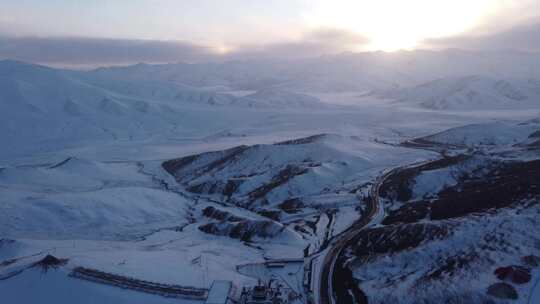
[
  {"x": 244, "y": 230},
  {"x": 391, "y": 239},
  {"x": 503, "y": 291},
  {"x": 218, "y": 160},
  {"x": 398, "y": 186},
  {"x": 239, "y": 227},
  {"x": 503, "y": 184},
  {"x": 303, "y": 141},
  {"x": 535, "y": 134},
  {"x": 292, "y": 205},
  {"x": 514, "y": 274},
  {"x": 534, "y": 145},
  {"x": 409, "y": 213},
  {"x": 274, "y": 215},
  {"x": 216, "y": 187},
  {"x": 221, "y": 215},
  {"x": 451, "y": 266},
  {"x": 50, "y": 261},
  {"x": 531, "y": 260},
  {"x": 279, "y": 179}
]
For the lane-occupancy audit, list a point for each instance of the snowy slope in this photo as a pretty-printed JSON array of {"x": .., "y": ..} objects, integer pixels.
[
  {"x": 84, "y": 199},
  {"x": 270, "y": 174},
  {"x": 274, "y": 98},
  {"x": 469, "y": 93},
  {"x": 156, "y": 89},
  {"x": 49, "y": 107},
  {"x": 266, "y": 175},
  {"x": 493, "y": 134},
  {"x": 345, "y": 72},
  {"x": 52, "y": 108},
  {"x": 455, "y": 260},
  {"x": 460, "y": 229},
  {"x": 314, "y": 185},
  {"x": 112, "y": 207}
]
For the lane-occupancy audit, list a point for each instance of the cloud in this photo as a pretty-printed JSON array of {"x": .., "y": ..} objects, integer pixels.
[
  {"x": 311, "y": 44},
  {"x": 95, "y": 51},
  {"x": 523, "y": 37},
  {"x": 335, "y": 36},
  {"x": 91, "y": 52}
]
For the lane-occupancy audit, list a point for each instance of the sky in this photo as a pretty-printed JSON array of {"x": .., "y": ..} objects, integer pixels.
[{"x": 123, "y": 31}]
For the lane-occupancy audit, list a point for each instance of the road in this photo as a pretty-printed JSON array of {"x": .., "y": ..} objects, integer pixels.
[
  {"x": 374, "y": 214},
  {"x": 373, "y": 209}
]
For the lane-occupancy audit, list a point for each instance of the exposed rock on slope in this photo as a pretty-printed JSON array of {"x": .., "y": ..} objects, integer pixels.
[
  {"x": 242, "y": 228},
  {"x": 453, "y": 226},
  {"x": 267, "y": 175}
]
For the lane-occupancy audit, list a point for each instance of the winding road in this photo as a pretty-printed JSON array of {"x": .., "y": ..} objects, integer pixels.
[
  {"x": 374, "y": 214},
  {"x": 373, "y": 210}
]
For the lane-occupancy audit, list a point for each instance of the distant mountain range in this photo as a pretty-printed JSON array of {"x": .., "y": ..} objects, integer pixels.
[
  {"x": 471, "y": 92},
  {"x": 46, "y": 106}
]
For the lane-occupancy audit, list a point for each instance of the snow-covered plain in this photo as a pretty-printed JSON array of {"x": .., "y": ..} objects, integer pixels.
[{"x": 81, "y": 172}]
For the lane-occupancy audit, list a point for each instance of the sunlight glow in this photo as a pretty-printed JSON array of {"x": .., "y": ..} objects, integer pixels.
[{"x": 398, "y": 24}]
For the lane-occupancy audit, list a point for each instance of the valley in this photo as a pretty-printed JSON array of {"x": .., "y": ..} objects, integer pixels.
[{"x": 150, "y": 183}]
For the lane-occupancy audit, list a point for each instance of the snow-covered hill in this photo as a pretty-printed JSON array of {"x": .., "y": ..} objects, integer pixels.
[
  {"x": 155, "y": 89},
  {"x": 78, "y": 198},
  {"x": 53, "y": 108},
  {"x": 486, "y": 134},
  {"x": 274, "y": 98},
  {"x": 346, "y": 72},
  {"x": 459, "y": 229},
  {"x": 309, "y": 185},
  {"x": 268, "y": 175},
  {"x": 46, "y": 106},
  {"x": 178, "y": 173},
  {"x": 469, "y": 93}
]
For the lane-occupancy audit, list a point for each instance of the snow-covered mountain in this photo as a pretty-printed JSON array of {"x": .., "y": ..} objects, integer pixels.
[
  {"x": 53, "y": 107},
  {"x": 39, "y": 103},
  {"x": 459, "y": 229},
  {"x": 264, "y": 176},
  {"x": 183, "y": 173},
  {"x": 155, "y": 89},
  {"x": 345, "y": 72},
  {"x": 301, "y": 183},
  {"x": 490, "y": 134},
  {"x": 275, "y": 98},
  {"x": 486, "y": 134},
  {"x": 469, "y": 93}
]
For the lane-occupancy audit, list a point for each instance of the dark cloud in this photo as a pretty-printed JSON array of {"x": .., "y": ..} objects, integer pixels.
[
  {"x": 91, "y": 51},
  {"x": 525, "y": 37}
]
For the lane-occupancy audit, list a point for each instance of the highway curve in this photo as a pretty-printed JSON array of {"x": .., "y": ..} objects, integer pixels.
[
  {"x": 373, "y": 208},
  {"x": 327, "y": 273}
]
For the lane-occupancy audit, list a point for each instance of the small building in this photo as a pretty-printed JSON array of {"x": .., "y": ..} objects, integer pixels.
[
  {"x": 219, "y": 292},
  {"x": 261, "y": 294}
]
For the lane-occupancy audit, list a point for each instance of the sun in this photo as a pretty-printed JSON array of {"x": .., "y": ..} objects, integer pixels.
[{"x": 396, "y": 24}]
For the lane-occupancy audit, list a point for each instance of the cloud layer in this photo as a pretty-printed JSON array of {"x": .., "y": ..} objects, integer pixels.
[
  {"x": 525, "y": 37},
  {"x": 68, "y": 51},
  {"x": 312, "y": 44},
  {"x": 90, "y": 51}
]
